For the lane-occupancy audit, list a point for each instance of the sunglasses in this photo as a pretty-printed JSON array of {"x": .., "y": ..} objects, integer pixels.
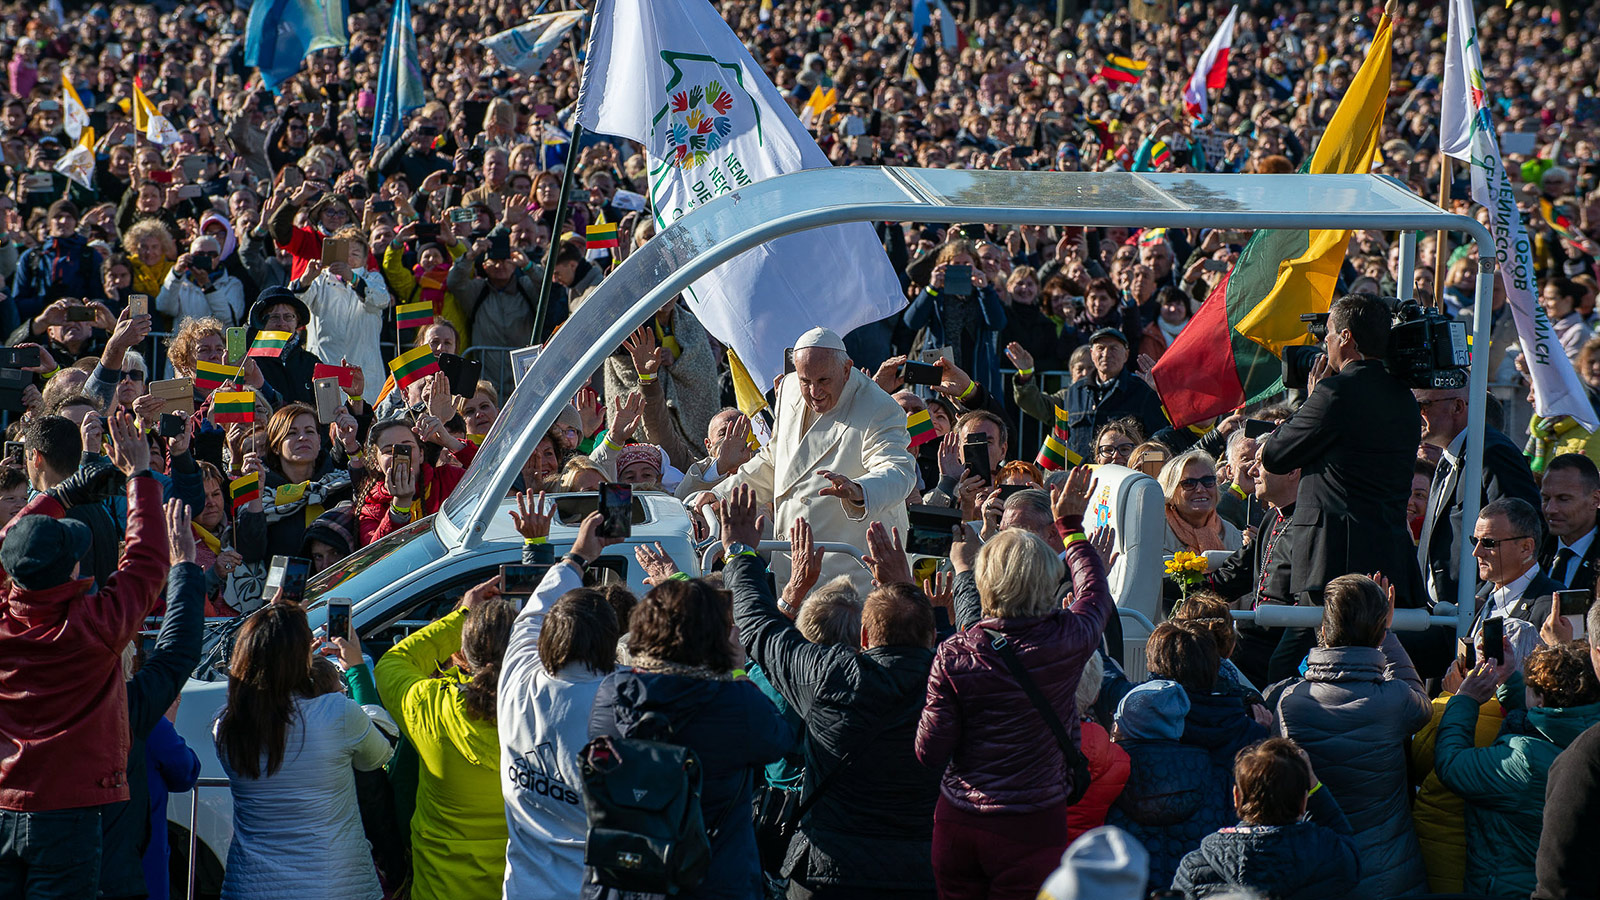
[
  {"x": 1491, "y": 543},
  {"x": 133, "y": 375},
  {"x": 1194, "y": 484}
]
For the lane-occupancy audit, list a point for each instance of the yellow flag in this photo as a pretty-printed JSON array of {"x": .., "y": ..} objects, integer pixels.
[
  {"x": 1305, "y": 283},
  {"x": 143, "y": 109},
  {"x": 749, "y": 398},
  {"x": 74, "y": 117}
]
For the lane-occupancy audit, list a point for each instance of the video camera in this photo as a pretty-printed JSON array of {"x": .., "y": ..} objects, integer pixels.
[{"x": 1427, "y": 349}]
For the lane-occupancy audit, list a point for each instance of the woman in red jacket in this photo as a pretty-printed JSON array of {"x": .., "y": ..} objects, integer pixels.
[
  {"x": 1000, "y": 824},
  {"x": 402, "y": 485}
]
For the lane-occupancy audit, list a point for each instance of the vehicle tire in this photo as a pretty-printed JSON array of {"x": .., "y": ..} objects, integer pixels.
[{"x": 207, "y": 873}]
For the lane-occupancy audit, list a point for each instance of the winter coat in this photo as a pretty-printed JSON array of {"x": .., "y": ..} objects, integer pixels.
[
  {"x": 125, "y": 827},
  {"x": 458, "y": 831},
  {"x": 404, "y": 286},
  {"x": 1568, "y": 867},
  {"x": 1172, "y": 800},
  {"x": 872, "y": 829},
  {"x": 181, "y": 298},
  {"x": 1089, "y": 405},
  {"x": 1108, "y": 774},
  {"x": 434, "y": 484},
  {"x": 347, "y": 323},
  {"x": 1352, "y": 713},
  {"x": 1438, "y": 813},
  {"x": 1221, "y": 725},
  {"x": 501, "y": 316},
  {"x": 1313, "y": 859},
  {"x": 62, "y": 649},
  {"x": 1504, "y": 786},
  {"x": 997, "y": 753},
  {"x": 60, "y": 267},
  {"x": 297, "y": 832},
  {"x": 171, "y": 768},
  {"x": 733, "y": 729},
  {"x": 978, "y": 354}
]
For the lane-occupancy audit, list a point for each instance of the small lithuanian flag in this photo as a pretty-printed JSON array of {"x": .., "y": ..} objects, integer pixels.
[
  {"x": 243, "y": 490},
  {"x": 1160, "y": 153},
  {"x": 210, "y": 376},
  {"x": 270, "y": 344},
  {"x": 1123, "y": 68},
  {"x": 601, "y": 235},
  {"x": 234, "y": 406},
  {"x": 920, "y": 424},
  {"x": 1055, "y": 455},
  {"x": 414, "y": 315},
  {"x": 412, "y": 366}
]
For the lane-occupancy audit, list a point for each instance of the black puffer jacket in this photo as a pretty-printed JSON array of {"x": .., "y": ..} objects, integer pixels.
[
  {"x": 1308, "y": 860},
  {"x": 873, "y": 828},
  {"x": 1174, "y": 798}
]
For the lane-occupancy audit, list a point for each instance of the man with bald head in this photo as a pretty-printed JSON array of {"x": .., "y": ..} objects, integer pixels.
[
  {"x": 839, "y": 455},
  {"x": 1505, "y": 474}
]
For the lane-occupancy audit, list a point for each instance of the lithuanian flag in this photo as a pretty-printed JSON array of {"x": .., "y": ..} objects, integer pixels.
[
  {"x": 413, "y": 366},
  {"x": 234, "y": 406},
  {"x": 210, "y": 376},
  {"x": 243, "y": 490},
  {"x": 1229, "y": 353},
  {"x": 1560, "y": 221},
  {"x": 1055, "y": 455},
  {"x": 920, "y": 424},
  {"x": 414, "y": 315},
  {"x": 1160, "y": 154},
  {"x": 601, "y": 236},
  {"x": 1123, "y": 68},
  {"x": 270, "y": 344}
]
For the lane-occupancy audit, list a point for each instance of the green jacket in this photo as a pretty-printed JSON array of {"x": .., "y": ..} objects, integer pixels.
[{"x": 1503, "y": 785}]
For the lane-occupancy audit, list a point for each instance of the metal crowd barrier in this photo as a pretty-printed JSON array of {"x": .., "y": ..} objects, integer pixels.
[
  {"x": 194, "y": 826},
  {"x": 711, "y": 551}
]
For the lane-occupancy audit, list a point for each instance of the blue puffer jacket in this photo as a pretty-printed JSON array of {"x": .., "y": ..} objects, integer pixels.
[
  {"x": 1222, "y": 726},
  {"x": 1175, "y": 796},
  {"x": 1313, "y": 859}
]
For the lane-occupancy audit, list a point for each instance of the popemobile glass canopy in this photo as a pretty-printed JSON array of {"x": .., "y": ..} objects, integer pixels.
[{"x": 727, "y": 226}]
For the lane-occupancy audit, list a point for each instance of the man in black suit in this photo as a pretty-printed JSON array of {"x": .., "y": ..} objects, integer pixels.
[
  {"x": 1259, "y": 571},
  {"x": 1353, "y": 441},
  {"x": 1570, "y": 499},
  {"x": 1507, "y": 532},
  {"x": 1505, "y": 474}
]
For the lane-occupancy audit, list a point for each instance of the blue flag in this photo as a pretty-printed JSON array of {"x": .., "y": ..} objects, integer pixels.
[
  {"x": 280, "y": 34},
  {"x": 399, "y": 76}
]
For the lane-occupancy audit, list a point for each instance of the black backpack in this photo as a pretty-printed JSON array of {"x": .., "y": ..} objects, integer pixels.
[{"x": 646, "y": 831}]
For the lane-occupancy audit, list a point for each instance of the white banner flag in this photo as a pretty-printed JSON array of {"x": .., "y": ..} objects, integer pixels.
[
  {"x": 1556, "y": 388},
  {"x": 672, "y": 75},
  {"x": 526, "y": 47}
]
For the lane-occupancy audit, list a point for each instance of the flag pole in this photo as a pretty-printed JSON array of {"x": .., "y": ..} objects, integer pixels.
[
  {"x": 555, "y": 233},
  {"x": 1441, "y": 243}
]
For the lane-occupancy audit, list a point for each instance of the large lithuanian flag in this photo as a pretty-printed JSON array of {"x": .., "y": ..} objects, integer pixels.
[{"x": 1230, "y": 354}]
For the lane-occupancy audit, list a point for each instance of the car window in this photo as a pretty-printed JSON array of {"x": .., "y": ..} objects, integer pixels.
[
  {"x": 339, "y": 572},
  {"x": 421, "y": 610}
]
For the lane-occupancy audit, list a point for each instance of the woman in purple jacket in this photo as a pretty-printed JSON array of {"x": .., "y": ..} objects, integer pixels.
[{"x": 1000, "y": 824}]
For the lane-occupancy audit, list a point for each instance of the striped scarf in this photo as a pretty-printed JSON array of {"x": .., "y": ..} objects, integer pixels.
[{"x": 430, "y": 284}]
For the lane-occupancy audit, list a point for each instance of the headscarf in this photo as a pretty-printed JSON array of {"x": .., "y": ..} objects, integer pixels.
[{"x": 230, "y": 242}]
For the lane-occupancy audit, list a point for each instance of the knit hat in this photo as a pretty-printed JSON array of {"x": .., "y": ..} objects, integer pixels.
[
  {"x": 336, "y": 528},
  {"x": 39, "y": 551},
  {"x": 1105, "y": 863},
  {"x": 637, "y": 453},
  {"x": 1153, "y": 711},
  {"x": 64, "y": 206}
]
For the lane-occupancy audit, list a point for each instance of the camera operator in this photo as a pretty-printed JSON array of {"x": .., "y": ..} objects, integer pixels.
[{"x": 1353, "y": 440}]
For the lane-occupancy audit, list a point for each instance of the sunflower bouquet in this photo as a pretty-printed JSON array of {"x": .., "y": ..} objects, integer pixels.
[{"x": 1187, "y": 569}]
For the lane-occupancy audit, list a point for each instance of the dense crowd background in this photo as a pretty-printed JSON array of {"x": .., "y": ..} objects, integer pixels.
[{"x": 1381, "y": 777}]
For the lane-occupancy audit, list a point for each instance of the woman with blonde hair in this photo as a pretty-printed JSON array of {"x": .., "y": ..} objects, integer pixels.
[
  {"x": 151, "y": 252},
  {"x": 1010, "y": 754},
  {"x": 1189, "y": 482},
  {"x": 1149, "y": 458}
]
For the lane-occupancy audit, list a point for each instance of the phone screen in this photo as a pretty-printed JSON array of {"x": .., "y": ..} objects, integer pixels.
[
  {"x": 1255, "y": 429},
  {"x": 1493, "y": 639},
  {"x": 975, "y": 456},
  {"x": 520, "y": 581},
  {"x": 1573, "y": 603},
  {"x": 288, "y": 574},
  {"x": 339, "y": 618},
  {"x": 958, "y": 280},
  {"x": 930, "y": 531},
  {"x": 616, "y": 506}
]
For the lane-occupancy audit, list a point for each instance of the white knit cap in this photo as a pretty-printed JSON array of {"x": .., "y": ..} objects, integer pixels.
[{"x": 826, "y": 338}]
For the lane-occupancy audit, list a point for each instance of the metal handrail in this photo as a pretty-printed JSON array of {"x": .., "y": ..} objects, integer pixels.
[
  {"x": 850, "y": 550},
  {"x": 194, "y": 825}
]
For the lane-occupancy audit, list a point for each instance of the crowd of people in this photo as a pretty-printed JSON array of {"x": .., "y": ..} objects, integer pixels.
[{"x": 271, "y": 335}]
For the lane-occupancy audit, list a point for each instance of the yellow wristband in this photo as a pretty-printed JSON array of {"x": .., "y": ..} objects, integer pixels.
[
  {"x": 1314, "y": 789},
  {"x": 1024, "y": 373},
  {"x": 645, "y": 379},
  {"x": 532, "y": 541},
  {"x": 1074, "y": 537},
  {"x": 46, "y": 376},
  {"x": 612, "y": 444},
  {"x": 971, "y": 386}
]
